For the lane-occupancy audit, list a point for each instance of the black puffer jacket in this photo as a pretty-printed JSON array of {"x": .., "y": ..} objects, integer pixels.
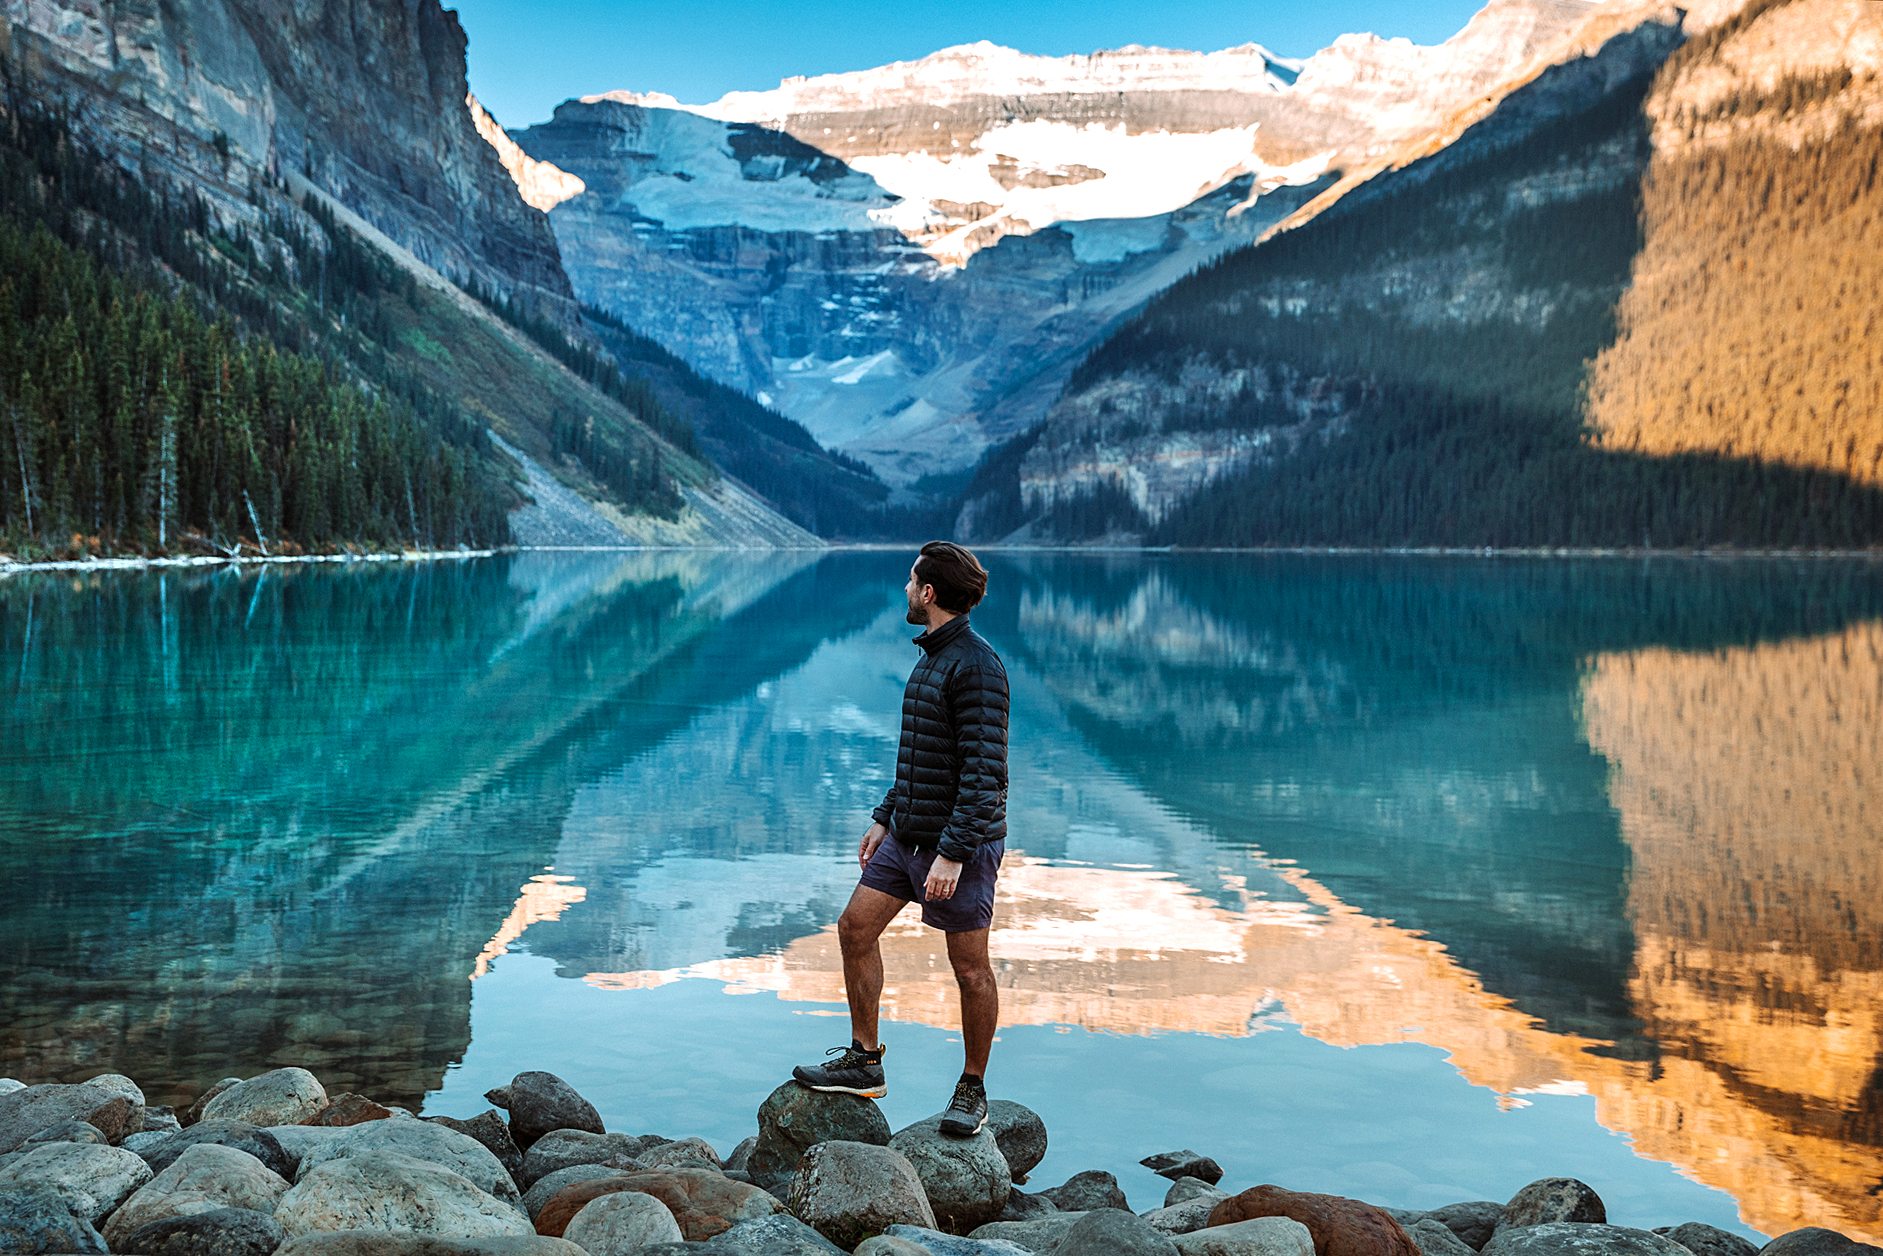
[{"x": 950, "y": 793}]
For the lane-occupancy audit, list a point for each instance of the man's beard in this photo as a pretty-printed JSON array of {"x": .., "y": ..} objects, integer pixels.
[{"x": 918, "y": 614}]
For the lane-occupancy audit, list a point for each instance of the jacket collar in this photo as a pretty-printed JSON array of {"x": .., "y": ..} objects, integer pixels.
[{"x": 937, "y": 639}]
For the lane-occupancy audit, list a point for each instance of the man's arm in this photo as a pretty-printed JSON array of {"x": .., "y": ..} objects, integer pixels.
[{"x": 980, "y": 708}]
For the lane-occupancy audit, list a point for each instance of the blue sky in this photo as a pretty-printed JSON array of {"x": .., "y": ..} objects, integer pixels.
[{"x": 527, "y": 56}]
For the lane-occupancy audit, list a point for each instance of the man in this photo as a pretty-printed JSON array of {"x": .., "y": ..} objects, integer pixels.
[{"x": 937, "y": 838}]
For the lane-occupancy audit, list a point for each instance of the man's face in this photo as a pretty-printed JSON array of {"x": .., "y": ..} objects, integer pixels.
[{"x": 918, "y": 608}]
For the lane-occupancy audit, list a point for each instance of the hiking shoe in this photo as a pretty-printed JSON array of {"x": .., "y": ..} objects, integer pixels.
[
  {"x": 967, "y": 1111},
  {"x": 854, "y": 1072}
]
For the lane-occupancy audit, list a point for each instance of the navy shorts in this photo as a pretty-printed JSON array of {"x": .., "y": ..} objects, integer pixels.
[{"x": 901, "y": 871}]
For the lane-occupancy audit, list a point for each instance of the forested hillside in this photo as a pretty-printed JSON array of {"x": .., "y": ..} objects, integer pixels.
[{"x": 1412, "y": 367}]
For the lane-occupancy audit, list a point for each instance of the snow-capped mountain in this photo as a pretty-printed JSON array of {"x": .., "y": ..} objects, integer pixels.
[{"x": 908, "y": 259}]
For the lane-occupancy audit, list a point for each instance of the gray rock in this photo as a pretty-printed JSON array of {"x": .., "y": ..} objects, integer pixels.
[
  {"x": 1083, "y": 1192},
  {"x": 282, "y": 1096},
  {"x": 219, "y": 1232},
  {"x": 848, "y": 1191},
  {"x": 1185, "y": 1189},
  {"x": 541, "y": 1102},
  {"x": 67, "y": 1132},
  {"x": 1020, "y": 1134},
  {"x": 886, "y": 1245},
  {"x": 1114, "y": 1232},
  {"x": 418, "y": 1140},
  {"x": 92, "y": 1180},
  {"x": 1705, "y": 1240},
  {"x": 24, "y": 1113},
  {"x": 160, "y": 1120},
  {"x": 742, "y": 1153},
  {"x": 1434, "y": 1238},
  {"x": 622, "y": 1224},
  {"x": 544, "y": 1188},
  {"x": 138, "y": 1144},
  {"x": 686, "y": 1153},
  {"x": 1024, "y": 1207},
  {"x": 1473, "y": 1221},
  {"x": 795, "y": 1118},
  {"x": 381, "y": 1243},
  {"x": 1552, "y": 1199},
  {"x": 195, "y": 1112},
  {"x": 1258, "y": 1236},
  {"x": 33, "y": 1221},
  {"x": 204, "y": 1178},
  {"x": 1411, "y": 1216},
  {"x": 1816, "y": 1241},
  {"x": 1580, "y": 1238},
  {"x": 761, "y": 1236},
  {"x": 740, "y": 1175},
  {"x": 264, "y": 1145},
  {"x": 1041, "y": 1235},
  {"x": 967, "y": 1179},
  {"x": 1191, "y": 1214},
  {"x": 935, "y": 1243},
  {"x": 562, "y": 1149},
  {"x": 1183, "y": 1164},
  {"x": 383, "y": 1190},
  {"x": 490, "y": 1129},
  {"x": 10, "y": 1084},
  {"x": 296, "y": 1141},
  {"x": 119, "y": 1084}
]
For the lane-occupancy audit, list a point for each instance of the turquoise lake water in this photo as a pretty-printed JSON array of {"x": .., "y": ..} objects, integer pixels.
[{"x": 1412, "y": 879}]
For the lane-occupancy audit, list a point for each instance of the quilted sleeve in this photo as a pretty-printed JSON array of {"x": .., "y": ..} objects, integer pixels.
[{"x": 978, "y": 698}]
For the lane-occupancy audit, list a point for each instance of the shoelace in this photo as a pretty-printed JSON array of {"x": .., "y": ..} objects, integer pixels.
[
  {"x": 850, "y": 1057},
  {"x": 965, "y": 1095}
]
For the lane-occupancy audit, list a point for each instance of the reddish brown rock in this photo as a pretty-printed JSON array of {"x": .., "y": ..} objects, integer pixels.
[
  {"x": 349, "y": 1109},
  {"x": 1340, "y": 1226},
  {"x": 703, "y": 1202}
]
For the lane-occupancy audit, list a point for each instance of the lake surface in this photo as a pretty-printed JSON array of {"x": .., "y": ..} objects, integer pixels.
[{"x": 1409, "y": 879}]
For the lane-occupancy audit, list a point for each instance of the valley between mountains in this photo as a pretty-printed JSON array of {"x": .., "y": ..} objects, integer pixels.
[{"x": 1587, "y": 274}]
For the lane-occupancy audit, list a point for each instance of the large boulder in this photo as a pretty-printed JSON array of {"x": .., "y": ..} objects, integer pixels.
[
  {"x": 967, "y": 1179},
  {"x": 794, "y": 1118},
  {"x": 491, "y": 1130},
  {"x": 10, "y": 1084},
  {"x": 549, "y": 1185},
  {"x": 1434, "y": 1238},
  {"x": 27, "y": 1111},
  {"x": 1114, "y": 1232},
  {"x": 1474, "y": 1221},
  {"x": 262, "y": 1144},
  {"x": 33, "y": 1221},
  {"x": 1183, "y": 1164},
  {"x": 848, "y": 1191},
  {"x": 1260, "y": 1236},
  {"x": 283, "y": 1096},
  {"x": 92, "y": 1180},
  {"x": 1340, "y": 1226},
  {"x": 541, "y": 1102},
  {"x": 765, "y": 1236},
  {"x": 383, "y": 1190},
  {"x": 1816, "y": 1241},
  {"x": 1040, "y": 1235},
  {"x": 204, "y": 1178},
  {"x": 1704, "y": 1240},
  {"x": 219, "y": 1232},
  {"x": 419, "y": 1140},
  {"x": 705, "y": 1203},
  {"x": 1552, "y": 1199},
  {"x": 1085, "y": 1191},
  {"x": 622, "y": 1224},
  {"x": 1020, "y": 1134},
  {"x": 1580, "y": 1238},
  {"x": 382, "y": 1243},
  {"x": 559, "y": 1149}
]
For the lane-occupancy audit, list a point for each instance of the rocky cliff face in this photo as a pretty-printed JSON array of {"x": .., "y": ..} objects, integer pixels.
[
  {"x": 910, "y": 260},
  {"x": 367, "y": 100}
]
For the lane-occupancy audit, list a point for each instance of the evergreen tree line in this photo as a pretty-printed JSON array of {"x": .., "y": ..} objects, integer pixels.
[
  {"x": 160, "y": 374},
  {"x": 634, "y": 481},
  {"x": 134, "y": 422}
]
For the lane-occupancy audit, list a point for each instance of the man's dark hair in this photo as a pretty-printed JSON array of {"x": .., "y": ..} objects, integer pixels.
[{"x": 959, "y": 579}]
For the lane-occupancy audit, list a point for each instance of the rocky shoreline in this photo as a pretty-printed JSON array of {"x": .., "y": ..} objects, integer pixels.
[{"x": 275, "y": 1166}]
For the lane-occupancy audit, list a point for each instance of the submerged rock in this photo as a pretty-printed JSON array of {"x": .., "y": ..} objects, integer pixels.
[
  {"x": 91, "y": 1180},
  {"x": 621, "y": 1224},
  {"x": 383, "y": 1190},
  {"x": 219, "y": 1232},
  {"x": 1552, "y": 1199},
  {"x": 204, "y": 1178},
  {"x": 1340, "y": 1226},
  {"x": 283, "y": 1096},
  {"x": 848, "y": 1191},
  {"x": 967, "y": 1179},
  {"x": 541, "y": 1102}
]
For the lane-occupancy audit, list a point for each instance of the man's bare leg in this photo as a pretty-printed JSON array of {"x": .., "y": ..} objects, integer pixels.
[
  {"x": 980, "y": 997},
  {"x": 858, "y": 929}
]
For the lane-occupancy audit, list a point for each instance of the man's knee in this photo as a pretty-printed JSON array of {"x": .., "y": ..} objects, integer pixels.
[
  {"x": 973, "y": 971},
  {"x": 855, "y": 934}
]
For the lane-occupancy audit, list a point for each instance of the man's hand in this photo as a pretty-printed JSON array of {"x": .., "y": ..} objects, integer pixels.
[
  {"x": 871, "y": 840},
  {"x": 943, "y": 875}
]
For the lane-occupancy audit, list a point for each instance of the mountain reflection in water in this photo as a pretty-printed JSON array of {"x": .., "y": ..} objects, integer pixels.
[{"x": 1603, "y": 828}]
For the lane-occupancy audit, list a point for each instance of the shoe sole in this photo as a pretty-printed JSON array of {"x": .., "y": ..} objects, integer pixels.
[{"x": 876, "y": 1093}]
